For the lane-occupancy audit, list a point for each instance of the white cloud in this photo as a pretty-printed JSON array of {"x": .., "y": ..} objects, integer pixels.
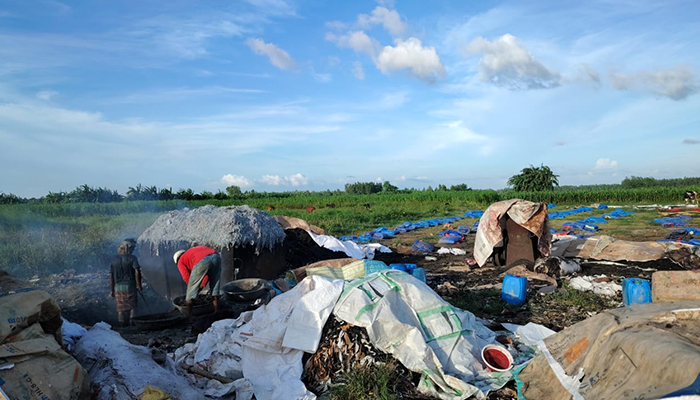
[
  {"x": 181, "y": 38},
  {"x": 321, "y": 78},
  {"x": 278, "y": 57},
  {"x": 676, "y": 84},
  {"x": 333, "y": 61},
  {"x": 235, "y": 180},
  {"x": 389, "y": 19},
  {"x": 423, "y": 62},
  {"x": 379, "y": 179},
  {"x": 506, "y": 63},
  {"x": 293, "y": 180},
  {"x": 336, "y": 25},
  {"x": 297, "y": 180},
  {"x": 182, "y": 94},
  {"x": 358, "y": 71},
  {"x": 605, "y": 164},
  {"x": 274, "y": 7},
  {"x": 272, "y": 180},
  {"x": 356, "y": 40},
  {"x": 46, "y": 95}
]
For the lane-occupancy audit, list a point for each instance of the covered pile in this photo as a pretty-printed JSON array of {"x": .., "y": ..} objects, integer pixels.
[
  {"x": 531, "y": 216},
  {"x": 219, "y": 227}
]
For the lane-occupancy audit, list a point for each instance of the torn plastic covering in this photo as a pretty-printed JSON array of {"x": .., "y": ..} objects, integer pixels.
[
  {"x": 406, "y": 318},
  {"x": 531, "y": 216},
  {"x": 348, "y": 247},
  {"x": 71, "y": 332},
  {"x": 609, "y": 249},
  {"x": 121, "y": 368},
  {"x": 218, "y": 351},
  {"x": 642, "y": 351},
  {"x": 590, "y": 283}
]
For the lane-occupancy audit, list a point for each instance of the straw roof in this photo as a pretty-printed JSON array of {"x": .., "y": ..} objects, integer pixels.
[{"x": 219, "y": 227}]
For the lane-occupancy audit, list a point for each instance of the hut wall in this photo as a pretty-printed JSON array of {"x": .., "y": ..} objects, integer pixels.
[{"x": 162, "y": 274}]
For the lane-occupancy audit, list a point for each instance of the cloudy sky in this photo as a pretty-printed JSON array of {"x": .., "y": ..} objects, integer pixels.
[{"x": 293, "y": 95}]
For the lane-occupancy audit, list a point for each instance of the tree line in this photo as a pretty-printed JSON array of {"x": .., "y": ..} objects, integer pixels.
[
  {"x": 89, "y": 194},
  {"x": 530, "y": 179}
]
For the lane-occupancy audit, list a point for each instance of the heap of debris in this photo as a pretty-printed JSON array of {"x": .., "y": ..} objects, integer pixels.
[
  {"x": 345, "y": 348},
  {"x": 300, "y": 249}
]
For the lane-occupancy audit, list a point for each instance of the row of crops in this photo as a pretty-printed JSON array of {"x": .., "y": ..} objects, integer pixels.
[{"x": 470, "y": 198}]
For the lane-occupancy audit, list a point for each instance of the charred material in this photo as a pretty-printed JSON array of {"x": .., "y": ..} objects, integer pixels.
[
  {"x": 300, "y": 249},
  {"x": 344, "y": 348}
]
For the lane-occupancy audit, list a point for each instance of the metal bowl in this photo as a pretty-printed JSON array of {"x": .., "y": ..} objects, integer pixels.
[
  {"x": 202, "y": 305},
  {"x": 246, "y": 289},
  {"x": 156, "y": 322}
]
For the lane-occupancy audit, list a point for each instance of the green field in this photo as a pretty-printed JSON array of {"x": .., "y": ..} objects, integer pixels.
[{"x": 37, "y": 238}]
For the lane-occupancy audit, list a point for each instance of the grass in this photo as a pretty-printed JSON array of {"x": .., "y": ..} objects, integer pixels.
[
  {"x": 378, "y": 381},
  {"x": 566, "y": 297},
  {"x": 49, "y": 238},
  {"x": 481, "y": 302}
]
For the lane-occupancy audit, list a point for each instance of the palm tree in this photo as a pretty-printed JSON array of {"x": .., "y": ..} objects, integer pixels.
[{"x": 534, "y": 179}]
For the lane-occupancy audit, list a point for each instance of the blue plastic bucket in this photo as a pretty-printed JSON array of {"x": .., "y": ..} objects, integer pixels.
[
  {"x": 400, "y": 267},
  {"x": 636, "y": 291},
  {"x": 418, "y": 273},
  {"x": 514, "y": 290}
]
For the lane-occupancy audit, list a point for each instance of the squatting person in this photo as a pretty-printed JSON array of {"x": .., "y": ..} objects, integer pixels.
[
  {"x": 199, "y": 265},
  {"x": 125, "y": 281}
]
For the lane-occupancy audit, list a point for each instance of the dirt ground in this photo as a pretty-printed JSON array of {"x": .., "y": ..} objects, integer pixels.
[{"x": 84, "y": 298}]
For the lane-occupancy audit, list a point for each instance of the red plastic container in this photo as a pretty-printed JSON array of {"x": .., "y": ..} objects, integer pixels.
[{"x": 496, "y": 358}]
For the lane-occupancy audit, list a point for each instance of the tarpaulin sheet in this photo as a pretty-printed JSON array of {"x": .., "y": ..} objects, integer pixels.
[
  {"x": 278, "y": 334},
  {"x": 610, "y": 249},
  {"x": 406, "y": 318},
  {"x": 122, "y": 369},
  {"x": 293, "y": 223},
  {"x": 642, "y": 351},
  {"x": 348, "y": 247},
  {"x": 529, "y": 215}
]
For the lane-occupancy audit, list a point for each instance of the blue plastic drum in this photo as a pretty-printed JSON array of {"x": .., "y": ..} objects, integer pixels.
[
  {"x": 514, "y": 290},
  {"x": 636, "y": 291}
]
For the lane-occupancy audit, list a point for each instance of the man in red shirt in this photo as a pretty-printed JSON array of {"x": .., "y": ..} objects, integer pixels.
[{"x": 199, "y": 265}]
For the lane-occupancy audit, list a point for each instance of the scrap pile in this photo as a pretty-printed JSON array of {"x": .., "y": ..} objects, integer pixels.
[{"x": 343, "y": 348}]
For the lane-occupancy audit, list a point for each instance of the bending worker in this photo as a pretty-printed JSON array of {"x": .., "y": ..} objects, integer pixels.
[
  {"x": 199, "y": 265},
  {"x": 125, "y": 281}
]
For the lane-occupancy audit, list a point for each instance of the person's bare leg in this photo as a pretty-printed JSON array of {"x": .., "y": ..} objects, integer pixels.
[
  {"x": 188, "y": 303},
  {"x": 216, "y": 304}
]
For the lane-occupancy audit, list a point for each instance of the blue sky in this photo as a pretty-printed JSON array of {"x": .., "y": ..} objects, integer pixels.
[{"x": 281, "y": 95}]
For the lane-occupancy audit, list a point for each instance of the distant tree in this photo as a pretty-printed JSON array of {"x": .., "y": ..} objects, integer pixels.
[
  {"x": 460, "y": 188},
  {"x": 534, "y": 179},
  {"x": 10, "y": 199},
  {"x": 220, "y": 195},
  {"x": 185, "y": 194},
  {"x": 59, "y": 197},
  {"x": 441, "y": 188},
  {"x": 363, "y": 188},
  {"x": 205, "y": 195},
  {"x": 387, "y": 187},
  {"x": 233, "y": 191},
  {"x": 166, "y": 194}
]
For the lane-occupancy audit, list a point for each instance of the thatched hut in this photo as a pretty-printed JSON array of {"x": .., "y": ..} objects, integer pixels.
[{"x": 249, "y": 241}]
